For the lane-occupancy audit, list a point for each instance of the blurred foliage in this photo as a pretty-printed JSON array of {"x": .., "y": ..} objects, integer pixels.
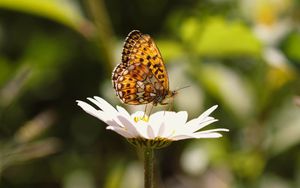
[
  {"x": 243, "y": 55},
  {"x": 63, "y": 11}
]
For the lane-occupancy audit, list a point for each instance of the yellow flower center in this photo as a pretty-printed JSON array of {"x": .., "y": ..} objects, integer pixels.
[{"x": 141, "y": 118}]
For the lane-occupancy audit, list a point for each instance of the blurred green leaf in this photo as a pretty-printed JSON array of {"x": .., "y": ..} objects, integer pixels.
[
  {"x": 228, "y": 86},
  {"x": 217, "y": 37},
  {"x": 114, "y": 176},
  {"x": 190, "y": 30},
  {"x": 62, "y": 11},
  {"x": 46, "y": 56},
  {"x": 79, "y": 178},
  {"x": 133, "y": 176},
  {"x": 170, "y": 49},
  {"x": 14, "y": 85},
  {"x": 35, "y": 127},
  {"x": 273, "y": 180},
  {"x": 6, "y": 70},
  {"x": 12, "y": 154},
  {"x": 40, "y": 67},
  {"x": 222, "y": 38},
  {"x": 249, "y": 165},
  {"x": 291, "y": 47},
  {"x": 284, "y": 129}
]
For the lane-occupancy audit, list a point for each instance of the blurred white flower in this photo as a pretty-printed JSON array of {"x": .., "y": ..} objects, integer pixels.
[
  {"x": 275, "y": 57},
  {"x": 272, "y": 34},
  {"x": 271, "y": 19},
  {"x": 160, "y": 128}
]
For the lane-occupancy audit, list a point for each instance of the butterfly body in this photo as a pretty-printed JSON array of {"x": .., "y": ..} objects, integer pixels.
[{"x": 141, "y": 77}]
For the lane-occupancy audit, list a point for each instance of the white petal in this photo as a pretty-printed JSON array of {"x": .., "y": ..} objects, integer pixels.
[
  {"x": 199, "y": 125},
  {"x": 142, "y": 129},
  {"x": 214, "y": 130},
  {"x": 140, "y": 125},
  {"x": 181, "y": 118},
  {"x": 92, "y": 111},
  {"x": 123, "y": 111},
  {"x": 150, "y": 133},
  {"x": 168, "y": 124},
  {"x": 182, "y": 137},
  {"x": 120, "y": 131},
  {"x": 212, "y": 133},
  {"x": 109, "y": 112},
  {"x": 87, "y": 108},
  {"x": 207, "y": 121},
  {"x": 207, "y": 112},
  {"x": 103, "y": 105},
  {"x": 115, "y": 123},
  {"x": 192, "y": 123},
  {"x": 197, "y": 135},
  {"x": 161, "y": 131},
  {"x": 99, "y": 114},
  {"x": 128, "y": 125},
  {"x": 156, "y": 117},
  {"x": 208, "y": 135},
  {"x": 138, "y": 114},
  {"x": 174, "y": 122},
  {"x": 156, "y": 122}
]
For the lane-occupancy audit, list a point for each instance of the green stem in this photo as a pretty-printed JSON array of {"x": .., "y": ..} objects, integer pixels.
[{"x": 149, "y": 167}]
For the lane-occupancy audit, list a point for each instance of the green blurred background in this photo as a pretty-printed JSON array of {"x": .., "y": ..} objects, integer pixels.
[{"x": 242, "y": 55}]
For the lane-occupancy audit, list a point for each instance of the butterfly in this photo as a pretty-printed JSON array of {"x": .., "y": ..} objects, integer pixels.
[{"x": 141, "y": 77}]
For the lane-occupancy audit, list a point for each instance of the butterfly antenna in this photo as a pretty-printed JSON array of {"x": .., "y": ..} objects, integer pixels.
[{"x": 182, "y": 88}]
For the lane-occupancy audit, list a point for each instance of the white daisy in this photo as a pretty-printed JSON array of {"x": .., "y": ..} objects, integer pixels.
[{"x": 155, "y": 131}]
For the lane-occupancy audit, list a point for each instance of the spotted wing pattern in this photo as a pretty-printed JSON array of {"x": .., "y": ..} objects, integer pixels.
[
  {"x": 141, "y": 78},
  {"x": 140, "y": 48}
]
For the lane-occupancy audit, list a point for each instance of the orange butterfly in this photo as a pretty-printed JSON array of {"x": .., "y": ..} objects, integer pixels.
[{"x": 142, "y": 77}]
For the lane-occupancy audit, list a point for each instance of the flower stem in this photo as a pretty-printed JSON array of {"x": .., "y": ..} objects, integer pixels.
[{"x": 149, "y": 167}]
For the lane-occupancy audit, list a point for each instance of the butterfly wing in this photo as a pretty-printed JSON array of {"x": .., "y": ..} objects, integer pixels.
[
  {"x": 135, "y": 84},
  {"x": 141, "y": 77},
  {"x": 140, "y": 48}
]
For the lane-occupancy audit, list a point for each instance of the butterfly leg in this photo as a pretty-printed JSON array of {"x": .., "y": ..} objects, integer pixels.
[
  {"x": 145, "y": 111},
  {"x": 163, "y": 103},
  {"x": 150, "y": 110},
  {"x": 171, "y": 105}
]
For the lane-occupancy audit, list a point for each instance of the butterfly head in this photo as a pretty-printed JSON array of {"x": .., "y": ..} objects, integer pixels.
[
  {"x": 166, "y": 99},
  {"x": 172, "y": 94}
]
